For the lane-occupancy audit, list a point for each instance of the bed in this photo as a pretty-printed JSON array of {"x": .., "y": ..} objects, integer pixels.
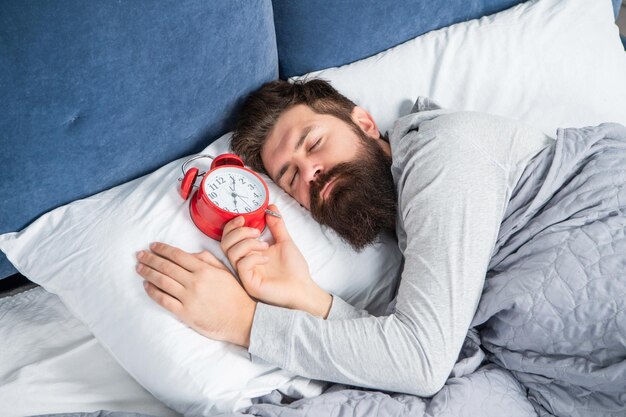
[{"x": 103, "y": 103}]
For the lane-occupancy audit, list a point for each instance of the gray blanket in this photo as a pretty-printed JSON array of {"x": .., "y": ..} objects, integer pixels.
[{"x": 549, "y": 336}]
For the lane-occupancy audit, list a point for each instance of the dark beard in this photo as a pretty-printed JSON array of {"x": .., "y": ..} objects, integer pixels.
[{"x": 362, "y": 202}]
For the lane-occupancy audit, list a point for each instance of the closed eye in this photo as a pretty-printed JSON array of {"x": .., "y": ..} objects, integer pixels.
[
  {"x": 293, "y": 178},
  {"x": 315, "y": 145}
]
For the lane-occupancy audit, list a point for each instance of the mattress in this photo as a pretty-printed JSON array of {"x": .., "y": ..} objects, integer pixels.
[{"x": 51, "y": 363}]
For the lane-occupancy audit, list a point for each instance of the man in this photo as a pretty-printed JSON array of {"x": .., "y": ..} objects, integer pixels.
[{"x": 442, "y": 181}]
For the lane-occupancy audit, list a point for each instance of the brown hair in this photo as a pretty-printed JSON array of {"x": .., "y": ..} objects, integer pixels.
[{"x": 263, "y": 107}]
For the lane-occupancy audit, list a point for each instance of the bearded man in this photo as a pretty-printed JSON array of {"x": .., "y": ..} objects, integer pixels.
[{"x": 444, "y": 181}]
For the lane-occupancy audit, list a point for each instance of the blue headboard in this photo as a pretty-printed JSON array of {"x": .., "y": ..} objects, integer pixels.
[
  {"x": 97, "y": 93},
  {"x": 317, "y": 34}
]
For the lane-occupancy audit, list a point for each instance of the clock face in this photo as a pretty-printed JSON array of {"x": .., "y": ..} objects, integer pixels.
[{"x": 235, "y": 190}]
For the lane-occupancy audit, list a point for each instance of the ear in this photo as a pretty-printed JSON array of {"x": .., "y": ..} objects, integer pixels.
[{"x": 365, "y": 120}]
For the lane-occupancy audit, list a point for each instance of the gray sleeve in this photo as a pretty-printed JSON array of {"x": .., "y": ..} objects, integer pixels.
[
  {"x": 340, "y": 310},
  {"x": 450, "y": 209}
]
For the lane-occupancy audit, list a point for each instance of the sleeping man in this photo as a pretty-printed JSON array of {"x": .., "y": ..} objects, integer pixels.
[{"x": 481, "y": 205}]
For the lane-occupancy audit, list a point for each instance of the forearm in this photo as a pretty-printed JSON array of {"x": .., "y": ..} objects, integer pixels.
[
  {"x": 319, "y": 303},
  {"x": 373, "y": 352},
  {"x": 340, "y": 310},
  {"x": 314, "y": 301}
]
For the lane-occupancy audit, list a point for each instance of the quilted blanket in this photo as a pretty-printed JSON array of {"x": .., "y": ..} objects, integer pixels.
[
  {"x": 553, "y": 310},
  {"x": 549, "y": 335}
]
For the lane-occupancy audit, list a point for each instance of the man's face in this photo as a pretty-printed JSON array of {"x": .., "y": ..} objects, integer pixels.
[{"x": 341, "y": 173}]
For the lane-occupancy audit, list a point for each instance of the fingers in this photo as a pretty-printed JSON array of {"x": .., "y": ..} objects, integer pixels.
[
  {"x": 163, "y": 299},
  {"x": 244, "y": 248},
  {"x": 208, "y": 258},
  {"x": 160, "y": 281},
  {"x": 252, "y": 260},
  {"x": 240, "y": 241},
  {"x": 277, "y": 226},
  {"x": 177, "y": 256},
  {"x": 247, "y": 264},
  {"x": 235, "y": 234},
  {"x": 232, "y": 224},
  {"x": 165, "y": 266}
]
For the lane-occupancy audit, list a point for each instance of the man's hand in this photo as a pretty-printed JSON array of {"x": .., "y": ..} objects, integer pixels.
[
  {"x": 276, "y": 274},
  {"x": 199, "y": 290}
]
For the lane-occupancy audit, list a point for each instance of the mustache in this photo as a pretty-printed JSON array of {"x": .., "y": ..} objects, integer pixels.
[{"x": 334, "y": 174}]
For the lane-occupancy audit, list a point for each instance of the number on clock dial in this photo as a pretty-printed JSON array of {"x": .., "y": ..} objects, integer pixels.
[{"x": 235, "y": 192}]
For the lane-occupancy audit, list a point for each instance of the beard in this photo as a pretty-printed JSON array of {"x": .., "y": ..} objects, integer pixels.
[{"x": 362, "y": 203}]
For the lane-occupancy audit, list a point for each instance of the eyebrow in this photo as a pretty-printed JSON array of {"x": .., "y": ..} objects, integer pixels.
[{"x": 303, "y": 136}]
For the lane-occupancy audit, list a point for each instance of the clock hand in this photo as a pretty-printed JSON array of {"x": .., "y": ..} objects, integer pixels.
[
  {"x": 234, "y": 195},
  {"x": 244, "y": 200}
]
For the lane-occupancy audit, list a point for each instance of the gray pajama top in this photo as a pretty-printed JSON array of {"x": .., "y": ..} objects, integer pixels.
[{"x": 454, "y": 174}]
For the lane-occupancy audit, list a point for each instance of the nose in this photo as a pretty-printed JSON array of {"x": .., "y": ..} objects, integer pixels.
[{"x": 311, "y": 173}]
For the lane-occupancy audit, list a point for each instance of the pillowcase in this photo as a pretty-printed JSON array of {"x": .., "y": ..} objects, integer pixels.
[
  {"x": 549, "y": 63},
  {"x": 85, "y": 253}
]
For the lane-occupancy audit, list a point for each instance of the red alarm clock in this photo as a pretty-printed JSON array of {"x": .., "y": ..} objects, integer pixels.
[{"x": 227, "y": 190}]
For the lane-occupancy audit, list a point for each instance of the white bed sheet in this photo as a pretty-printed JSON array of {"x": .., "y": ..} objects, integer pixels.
[{"x": 51, "y": 363}]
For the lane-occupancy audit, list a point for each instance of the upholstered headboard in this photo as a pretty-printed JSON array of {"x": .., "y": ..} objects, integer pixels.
[
  {"x": 318, "y": 34},
  {"x": 96, "y": 94}
]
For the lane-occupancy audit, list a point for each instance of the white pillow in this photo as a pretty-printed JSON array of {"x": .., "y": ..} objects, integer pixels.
[
  {"x": 85, "y": 253},
  {"x": 549, "y": 63}
]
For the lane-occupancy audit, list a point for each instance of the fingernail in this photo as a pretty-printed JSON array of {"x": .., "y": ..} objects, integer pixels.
[
  {"x": 140, "y": 254},
  {"x": 153, "y": 245},
  {"x": 145, "y": 284}
]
